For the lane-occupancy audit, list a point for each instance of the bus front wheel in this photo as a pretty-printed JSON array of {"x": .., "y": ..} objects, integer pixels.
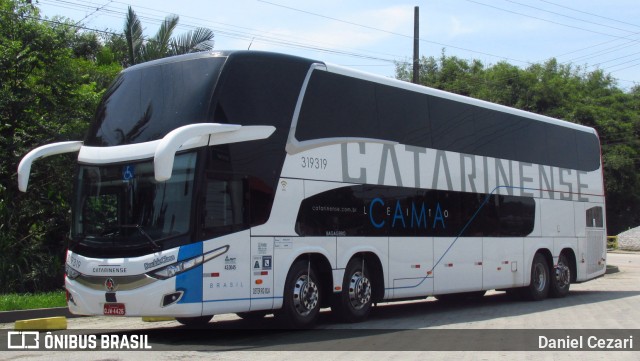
[
  {"x": 354, "y": 303},
  {"x": 301, "y": 303}
]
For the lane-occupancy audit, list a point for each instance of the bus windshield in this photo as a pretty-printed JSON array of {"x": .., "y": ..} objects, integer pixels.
[{"x": 123, "y": 206}]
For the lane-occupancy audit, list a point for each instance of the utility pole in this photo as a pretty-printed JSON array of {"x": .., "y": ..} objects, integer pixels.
[{"x": 416, "y": 45}]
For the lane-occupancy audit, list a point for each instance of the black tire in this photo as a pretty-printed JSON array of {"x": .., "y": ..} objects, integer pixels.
[
  {"x": 355, "y": 301},
  {"x": 540, "y": 281},
  {"x": 515, "y": 294},
  {"x": 253, "y": 315},
  {"x": 560, "y": 278},
  {"x": 302, "y": 297},
  {"x": 194, "y": 321}
]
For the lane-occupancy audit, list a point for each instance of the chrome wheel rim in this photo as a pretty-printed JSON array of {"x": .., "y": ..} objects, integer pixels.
[
  {"x": 359, "y": 290},
  {"x": 563, "y": 274},
  {"x": 539, "y": 277},
  {"x": 305, "y": 295}
]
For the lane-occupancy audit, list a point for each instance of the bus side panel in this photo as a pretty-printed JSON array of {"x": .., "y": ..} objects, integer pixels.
[
  {"x": 410, "y": 266},
  {"x": 261, "y": 267},
  {"x": 458, "y": 264},
  {"x": 225, "y": 280},
  {"x": 591, "y": 250},
  {"x": 503, "y": 264},
  {"x": 557, "y": 218}
]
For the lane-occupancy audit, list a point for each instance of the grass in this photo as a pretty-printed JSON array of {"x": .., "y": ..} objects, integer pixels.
[{"x": 27, "y": 301}]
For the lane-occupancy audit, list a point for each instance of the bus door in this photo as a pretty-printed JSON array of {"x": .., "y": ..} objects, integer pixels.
[
  {"x": 225, "y": 223},
  {"x": 594, "y": 247}
]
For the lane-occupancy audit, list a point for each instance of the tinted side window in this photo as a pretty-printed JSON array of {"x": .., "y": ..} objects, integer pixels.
[
  {"x": 338, "y": 106},
  {"x": 258, "y": 89},
  {"x": 452, "y": 125},
  {"x": 562, "y": 147},
  {"x": 588, "y": 151},
  {"x": 369, "y": 210},
  {"x": 341, "y": 106},
  {"x": 594, "y": 217},
  {"x": 403, "y": 116}
]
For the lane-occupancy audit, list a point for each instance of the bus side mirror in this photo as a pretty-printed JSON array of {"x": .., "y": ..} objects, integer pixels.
[
  {"x": 24, "y": 168},
  {"x": 218, "y": 134}
]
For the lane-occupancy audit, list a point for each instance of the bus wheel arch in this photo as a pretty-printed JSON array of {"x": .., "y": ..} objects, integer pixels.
[{"x": 539, "y": 284}]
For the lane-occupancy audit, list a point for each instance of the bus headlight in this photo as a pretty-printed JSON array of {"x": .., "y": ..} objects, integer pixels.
[
  {"x": 183, "y": 266},
  {"x": 71, "y": 273}
]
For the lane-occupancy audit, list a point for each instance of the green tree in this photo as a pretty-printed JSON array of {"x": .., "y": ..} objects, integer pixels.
[
  {"x": 50, "y": 85},
  {"x": 162, "y": 44}
]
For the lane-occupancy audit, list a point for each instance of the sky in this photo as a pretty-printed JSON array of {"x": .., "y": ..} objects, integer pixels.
[{"x": 374, "y": 35}]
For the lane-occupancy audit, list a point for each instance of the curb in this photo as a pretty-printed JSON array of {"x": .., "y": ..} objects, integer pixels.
[{"x": 13, "y": 316}]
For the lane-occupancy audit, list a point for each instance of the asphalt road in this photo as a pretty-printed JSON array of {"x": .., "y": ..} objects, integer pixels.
[{"x": 610, "y": 302}]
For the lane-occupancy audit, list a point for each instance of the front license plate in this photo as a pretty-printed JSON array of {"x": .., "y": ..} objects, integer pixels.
[{"x": 114, "y": 309}]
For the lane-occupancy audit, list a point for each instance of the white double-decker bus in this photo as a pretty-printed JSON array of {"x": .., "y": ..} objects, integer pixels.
[{"x": 258, "y": 183}]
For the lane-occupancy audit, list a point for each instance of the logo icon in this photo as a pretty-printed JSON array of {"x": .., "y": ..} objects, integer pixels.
[
  {"x": 110, "y": 284},
  {"x": 284, "y": 185}
]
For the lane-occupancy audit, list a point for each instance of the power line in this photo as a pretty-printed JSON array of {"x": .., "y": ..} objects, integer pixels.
[
  {"x": 588, "y": 13},
  {"x": 259, "y": 36},
  {"x": 567, "y": 16},
  {"x": 389, "y": 32},
  {"x": 542, "y": 19}
]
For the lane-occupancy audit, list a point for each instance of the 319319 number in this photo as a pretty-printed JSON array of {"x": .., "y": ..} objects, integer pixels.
[{"x": 313, "y": 162}]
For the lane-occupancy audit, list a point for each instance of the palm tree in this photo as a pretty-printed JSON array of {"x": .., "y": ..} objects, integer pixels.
[{"x": 162, "y": 44}]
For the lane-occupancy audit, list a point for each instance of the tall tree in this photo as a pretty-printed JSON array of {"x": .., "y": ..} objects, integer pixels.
[
  {"x": 50, "y": 85},
  {"x": 163, "y": 44}
]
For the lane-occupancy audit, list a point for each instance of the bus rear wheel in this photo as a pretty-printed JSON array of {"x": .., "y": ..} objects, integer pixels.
[
  {"x": 301, "y": 304},
  {"x": 561, "y": 279},
  {"x": 354, "y": 303},
  {"x": 540, "y": 280},
  {"x": 194, "y": 321}
]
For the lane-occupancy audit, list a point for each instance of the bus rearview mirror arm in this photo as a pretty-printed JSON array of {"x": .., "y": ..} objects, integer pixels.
[
  {"x": 175, "y": 141},
  {"x": 24, "y": 168}
]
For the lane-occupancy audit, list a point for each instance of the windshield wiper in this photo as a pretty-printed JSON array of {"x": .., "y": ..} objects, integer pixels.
[{"x": 154, "y": 244}]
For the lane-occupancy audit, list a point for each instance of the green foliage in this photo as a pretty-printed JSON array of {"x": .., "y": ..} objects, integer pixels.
[
  {"x": 561, "y": 91},
  {"x": 162, "y": 44},
  {"x": 15, "y": 301},
  {"x": 50, "y": 85}
]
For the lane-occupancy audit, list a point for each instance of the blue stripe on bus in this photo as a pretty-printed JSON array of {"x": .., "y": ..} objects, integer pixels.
[
  {"x": 243, "y": 299},
  {"x": 191, "y": 281}
]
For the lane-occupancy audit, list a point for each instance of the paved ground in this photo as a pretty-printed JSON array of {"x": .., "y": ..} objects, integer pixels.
[{"x": 611, "y": 302}]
